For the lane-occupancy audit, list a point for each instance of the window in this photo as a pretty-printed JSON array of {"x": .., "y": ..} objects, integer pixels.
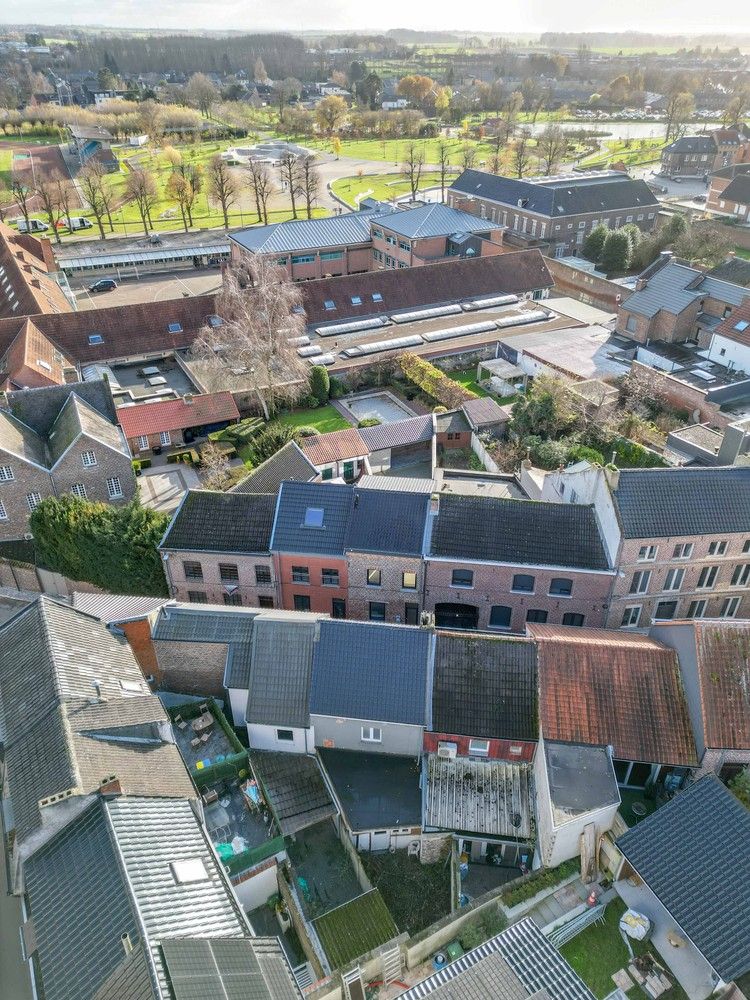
[
  {"x": 717, "y": 548},
  {"x": 639, "y": 583},
  {"x": 338, "y": 608},
  {"x": 114, "y": 488},
  {"x": 632, "y": 324},
  {"x": 377, "y": 297},
  {"x": 571, "y": 618},
  {"x": 300, "y": 574},
  {"x": 78, "y": 490},
  {"x": 332, "y": 255},
  {"x": 683, "y": 551},
  {"x": 707, "y": 577},
  {"x": 265, "y": 602},
  {"x": 409, "y": 581},
  {"x": 164, "y": 438},
  {"x": 303, "y": 258},
  {"x": 371, "y": 734},
  {"x": 329, "y": 305},
  {"x": 730, "y": 607},
  {"x": 6, "y": 474},
  {"x": 281, "y": 261},
  {"x": 479, "y": 748},
  {"x": 631, "y": 616},
  {"x": 229, "y": 573},
  {"x": 33, "y": 500},
  {"x": 88, "y": 458},
  {"x": 197, "y": 597},
  {"x": 647, "y": 553},
  {"x": 95, "y": 338},
  {"x": 175, "y": 328},
  {"x": 143, "y": 442},
  {"x": 234, "y": 600},
  {"x": 665, "y": 610},
  {"x": 313, "y": 517},
  {"x": 327, "y": 473},
  {"x": 377, "y": 611},
  {"x": 462, "y": 578},
  {"x": 523, "y": 583},
  {"x": 500, "y": 616},
  {"x": 746, "y": 547},
  {"x": 377, "y": 233},
  {"x": 581, "y": 225},
  {"x": 536, "y": 615},
  {"x": 560, "y": 586},
  {"x": 741, "y": 575},
  {"x": 285, "y": 735},
  {"x": 356, "y": 300},
  {"x": 673, "y": 579},
  {"x": 3, "y": 512},
  {"x": 373, "y": 578},
  {"x": 411, "y": 613},
  {"x": 696, "y": 609},
  {"x": 301, "y": 602},
  {"x": 628, "y": 218},
  {"x": 263, "y": 576},
  {"x": 192, "y": 570},
  {"x": 329, "y": 577}
]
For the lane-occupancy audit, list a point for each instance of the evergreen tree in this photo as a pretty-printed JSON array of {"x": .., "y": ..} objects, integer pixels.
[
  {"x": 320, "y": 384},
  {"x": 616, "y": 252},
  {"x": 594, "y": 243}
]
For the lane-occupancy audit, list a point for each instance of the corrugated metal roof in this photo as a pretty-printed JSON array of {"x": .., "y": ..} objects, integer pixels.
[
  {"x": 400, "y": 433},
  {"x": 116, "y": 607},
  {"x": 435, "y": 220},
  {"x": 306, "y": 234},
  {"x": 402, "y": 484},
  {"x": 491, "y": 797}
]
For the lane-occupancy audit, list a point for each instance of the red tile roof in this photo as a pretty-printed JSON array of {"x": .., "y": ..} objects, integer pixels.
[
  {"x": 728, "y": 327},
  {"x": 723, "y": 656},
  {"x": 177, "y": 414},
  {"x": 32, "y": 360},
  {"x": 601, "y": 688},
  {"x": 32, "y": 290},
  {"x": 338, "y": 446}
]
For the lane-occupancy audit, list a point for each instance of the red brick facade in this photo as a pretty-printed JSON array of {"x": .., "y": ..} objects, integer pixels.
[{"x": 498, "y": 749}]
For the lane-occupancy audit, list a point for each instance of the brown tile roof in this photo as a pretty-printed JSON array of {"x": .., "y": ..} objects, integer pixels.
[
  {"x": 24, "y": 279},
  {"x": 176, "y": 414},
  {"x": 728, "y": 327},
  {"x": 32, "y": 360},
  {"x": 601, "y": 688},
  {"x": 338, "y": 446},
  {"x": 444, "y": 281},
  {"x": 723, "y": 655}
]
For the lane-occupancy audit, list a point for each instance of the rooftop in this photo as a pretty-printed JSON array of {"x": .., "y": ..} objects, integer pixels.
[
  {"x": 375, "y": 790},
  {"x": 491, "y": 797},
  {"x": 667, "y": 849},
  {"x": 281, "y": 659},
  {"x": 312, "y": 518},
  {"x": 603, "y": 688},
  {"x": 522, "y": 532},
  {"x": 336, "y": 446},
  {"x": 581, "y": 780},
  {"x": 583, "y": 352},
  {"x": 177, "y": 414},
  {"x": 485, "y": 687},
  {"x": 736, "y": 326},
  {"x": 294, "y": 789},
  {"x": 305, "y": 234},
  {"x": 737, "y": 190},
  {"x": 674, "y": 286},
  {"x": 434, "y": 219},
  {"x": 289, "y": 463},
  {"x": 387, "y": 522},
  {"x": 212, "y": 521},
  {"x": 397, "y": 434}
]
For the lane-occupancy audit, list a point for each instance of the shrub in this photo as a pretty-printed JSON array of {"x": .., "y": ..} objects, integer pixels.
[
  {"x": 320, "y": 384},
  {"x": 268, "y": 442},
  {"x": 544, "y": 878},
  {"x": 434, "y": 382},
  {"x": 308, "y": 402},
  {"x": 582, "y": 453},
  {"x": 440, "y": 409},
  {"x": 545, "y": 453},
  {"x": 136, "y": 466},
  {"x": 616, "y": 252},
  {"x": 369, "y": 422},
  {"x": 336, "y": 388},
  {"x": 307, "y": 430}
]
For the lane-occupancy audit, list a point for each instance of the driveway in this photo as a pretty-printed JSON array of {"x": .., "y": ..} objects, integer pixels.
[{"x": 164, "y": 487}]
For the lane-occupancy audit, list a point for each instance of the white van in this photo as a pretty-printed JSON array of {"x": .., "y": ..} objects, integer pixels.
[
  {"x": 76, "y": 222},
  {"x": 34, "y": 226}
]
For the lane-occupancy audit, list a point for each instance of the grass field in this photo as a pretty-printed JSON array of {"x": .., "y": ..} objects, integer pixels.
[
  {"x": 741, "y": 252},
  {"x": 322, "y": 418},
  {"x": 631, "y": 152},
  {"x": 6, "y": 158},
  {"x": 382, "y": 186}
]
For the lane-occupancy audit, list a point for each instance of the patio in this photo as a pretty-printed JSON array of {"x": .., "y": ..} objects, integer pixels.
[
  {"x": 323, "y": 874},
  {"x": 685, "y": 962},
  {"x": 484, "y": 878},
  {"x": 213, "y": 743}
]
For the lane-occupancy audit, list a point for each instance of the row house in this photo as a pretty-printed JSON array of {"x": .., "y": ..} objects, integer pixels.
[
  {"x": 674, "y": 302},
  {"x": 730, "y": 340},
  {"x": 680, "y": 538},
  {"x": 555, "y": 213},
  {"x": 55, "y": 441},
  {"x": 722, "y": 181},
  {"x": 701, "y": 155}
]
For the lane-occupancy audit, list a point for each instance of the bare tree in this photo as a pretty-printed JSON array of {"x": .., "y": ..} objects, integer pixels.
[
  {"x": 214, "y": 466},
  {"x": 181, "y": 191},
  {"x": 262, "y": 185},
  {"x": 289, "y": 170},
  {"x": 257, "y": 306},
  {"x": 90, "y": 180},
  {"x": 141, "y": 188},
  {"x": 22, "y": 195},
  {"x": 443, "y": 158},
  {"x": 521, "y": 156},
  {"x": 65, "y": 193},
  {"x": 47, "y": 191},
  {"x": 309, "y": 182},
  {"x": 468, "y": 156},
  {"x": 551, "y": 147},
  {"x": 413, "y": 165},
  {"x": 678, "y": 110},
  {"x": 202, "y": 93},
  {"x": 222, "y": 185}
]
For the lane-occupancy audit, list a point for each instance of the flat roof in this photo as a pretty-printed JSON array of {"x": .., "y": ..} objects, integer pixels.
[
  {"x": 375, "y": 790},
  {"x": 584, "y": 352},
  {"x": 581, "y": 780}
]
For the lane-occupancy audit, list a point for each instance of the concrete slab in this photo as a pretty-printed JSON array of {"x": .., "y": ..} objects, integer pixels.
[{"x": 163, "y": 488}]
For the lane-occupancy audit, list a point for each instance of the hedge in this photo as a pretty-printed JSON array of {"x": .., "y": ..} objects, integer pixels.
[
  {"x": 434, "y": 382},
  {"x": 544, "y": 878}
]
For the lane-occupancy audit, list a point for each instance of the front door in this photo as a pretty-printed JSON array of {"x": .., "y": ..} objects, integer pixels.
[{"x": 348, "y": 472}]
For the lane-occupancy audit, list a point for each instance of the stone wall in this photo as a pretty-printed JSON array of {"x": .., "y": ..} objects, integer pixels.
[{"x": 192, "y": 667}]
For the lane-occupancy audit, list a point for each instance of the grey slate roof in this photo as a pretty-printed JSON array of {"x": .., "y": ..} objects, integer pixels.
[
  {"x": 522, "y": 532},
  {"x": 18, "y": 439},
  {"x": 375, "y": 790},
  {"x": 692, "y": 144},
  {"x": 485, "y": 687},
  {"x": 400, "y": 433},
  {"x": 557, "y": 197},
  {"x": 738, "y": 190},
  {"x": 86, "y": 884},
  {"x": 668, "y": 850},
  {"x": 661, "y": 503},
  {"x": 294, "y": 788},
  {"x": 304, "y": 234},
  {"x": 675, "y": 286},
  {"x": 39, "y": 408},
  {"x": 77, "y": 417},
  {"x": 289, "y": 462},
  {"x": 289, "y": 531},
  {"x": 736, "y": 271},
  {"x": 212, "y": 521},
  {"x": 435, "y": 220},
  {"x": 387, "y": 522},
  {"x": 280, "y": 669},
  {"x": 371, "y": 671}
]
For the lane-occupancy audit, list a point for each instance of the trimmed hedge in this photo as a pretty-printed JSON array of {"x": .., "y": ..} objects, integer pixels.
[
  {"x": 544, "y": 878},
  {"x": 432, "y": 381}
]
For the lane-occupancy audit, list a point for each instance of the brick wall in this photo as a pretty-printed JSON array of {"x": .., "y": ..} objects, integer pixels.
[
  {"x": 138, "y": 634},
  {"x": 109, "y": 463},
  {"x": 681, "y": 395},
  {"x": 320, "y": 597},
  {"x": 498, "y": 750},
  {"x": 27, "y": 479},
  {"x": 390, "y": 592},
  {"x": 192, "y": 667},
  {"x": 586, "y": 287},
  {"x": 212, "y": 585}
]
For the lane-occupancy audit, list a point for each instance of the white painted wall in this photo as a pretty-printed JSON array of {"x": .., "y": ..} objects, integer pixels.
[
  {"x": 254, "y": 891},
  {"x": 265, "y": 738},
  {"x": 238, "y": 703},
  {"x": 735, "y": 355}
]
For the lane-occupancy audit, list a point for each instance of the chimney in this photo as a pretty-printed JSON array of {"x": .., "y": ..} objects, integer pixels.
[
  {"x": 127, "y": 944},
  {"x": 613, "y": 476},
  {"x": 110, "y": 788}
]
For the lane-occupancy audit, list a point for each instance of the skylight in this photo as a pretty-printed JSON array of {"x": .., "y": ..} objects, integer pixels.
[
  {"x": 377, "y": 297},
  {"x": 175, "y": 328},
  {"x": 329, "y": 304},
  {"x": 96, "y": 338},
  {"x": 189, "y": 870},
  {"x": 314, "y": 517},
  {"x": 742, "y": 325},
  {"x": 215, "y": 321},
  {"x": 356, "y": 300}
]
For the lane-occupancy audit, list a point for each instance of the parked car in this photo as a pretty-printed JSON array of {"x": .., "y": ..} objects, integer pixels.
[
  {"x": 103, "y": 285},
  {"x": 76, "y": 222},
  {"x": 34, "y": 226},
  {"x": 700, "y": 197}
]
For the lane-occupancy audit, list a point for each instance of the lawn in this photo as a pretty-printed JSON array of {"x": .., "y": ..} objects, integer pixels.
[
  {"x": 322, "y": 418},
  {"x": 628, "y": 151},
  {"x": 600, "y": 951},
  {"x": 742, "y": 252},
  {"x": 355, "y": 928},
  {"x": 395, "y": 150},
  {"x": 6, "y": 158},
  {"x": 384, "y": 187},
  {"x": 417, "y": 895},
  {"x": 467, "y": 378}
]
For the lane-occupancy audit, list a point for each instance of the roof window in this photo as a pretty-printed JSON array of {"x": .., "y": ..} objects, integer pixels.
[
  {"x": 189, "y": 870},
  {"x": 175, "y": 328},
  {"x": 313, "y": 517},
  {"x": 96, "y": 338},
  {"x": 742, "y": 325},
  {"x": 329, "y": 304},
  {"x": 215, "y": 321},
  {"x": 356, "y": 300},
  {"x": 377, "y": 297}
]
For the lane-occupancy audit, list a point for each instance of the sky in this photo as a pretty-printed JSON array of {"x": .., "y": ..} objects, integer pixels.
[{"x": 527, "y": 16}]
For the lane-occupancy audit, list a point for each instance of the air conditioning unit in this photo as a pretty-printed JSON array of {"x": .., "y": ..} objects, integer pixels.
[{"x": 447, "y": 751}]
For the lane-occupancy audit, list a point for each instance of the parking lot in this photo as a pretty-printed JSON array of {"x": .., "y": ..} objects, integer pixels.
[{"x": 148, "y": 288}]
